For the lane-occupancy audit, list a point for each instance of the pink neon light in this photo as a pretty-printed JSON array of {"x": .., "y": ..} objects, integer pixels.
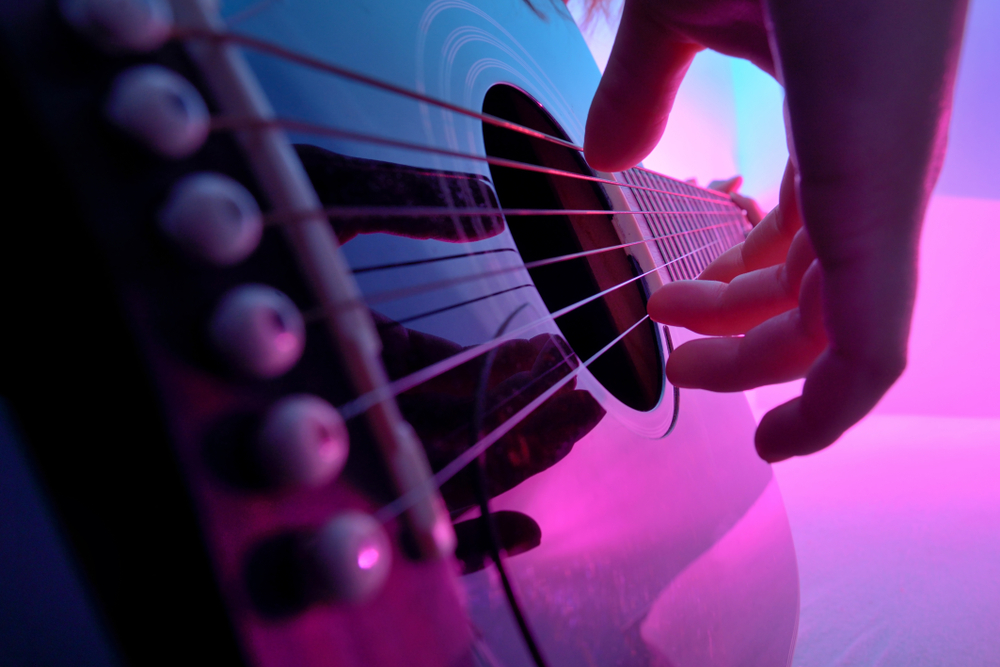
[
  {"x": 285, "y": 341},
  {"x": 368, "y": 557}
]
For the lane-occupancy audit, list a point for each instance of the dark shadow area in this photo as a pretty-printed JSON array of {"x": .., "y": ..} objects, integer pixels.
[{"x": 632, "y": 369}]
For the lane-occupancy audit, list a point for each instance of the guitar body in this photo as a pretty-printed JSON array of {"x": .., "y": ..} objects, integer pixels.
[{"x": 645, "y": 528}]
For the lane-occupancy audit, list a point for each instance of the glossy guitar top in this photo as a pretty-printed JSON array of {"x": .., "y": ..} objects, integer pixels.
[{"x": 241, "y": 499}]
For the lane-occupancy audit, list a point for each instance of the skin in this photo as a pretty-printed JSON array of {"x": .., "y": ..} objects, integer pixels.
[{"x": 823, "y": 288}]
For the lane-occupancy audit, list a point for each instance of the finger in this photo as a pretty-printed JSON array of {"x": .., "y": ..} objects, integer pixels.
[
  {"x": 867, "y": 355},
  {"x": 635, "y": 95},
  {"x": 729, "y": 186},
  {"x": 726, "y": 266},
  {"x": 769, "y": 241},
  {"x": 724, "y": 309},
  {"x": 838, "y": 393},
  {"x": 778, "y": 350},
  {"x": 750, "y": 207}
]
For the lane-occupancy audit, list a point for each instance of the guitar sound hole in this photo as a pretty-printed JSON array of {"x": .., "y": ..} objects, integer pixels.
[{"x": 632, "y": 370}]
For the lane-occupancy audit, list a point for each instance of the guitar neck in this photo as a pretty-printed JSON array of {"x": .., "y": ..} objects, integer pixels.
[{"x": 688, "y": 225}]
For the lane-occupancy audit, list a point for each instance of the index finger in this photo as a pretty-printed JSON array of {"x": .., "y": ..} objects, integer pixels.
[
  {"x": 632, "y": 102},
  {"x": 768, "y": 242}
]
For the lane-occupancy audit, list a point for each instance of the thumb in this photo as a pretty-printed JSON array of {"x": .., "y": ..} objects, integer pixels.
[{"x": 632, "y": 103}]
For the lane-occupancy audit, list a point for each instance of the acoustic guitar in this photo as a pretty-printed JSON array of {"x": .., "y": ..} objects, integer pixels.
[{"x": 327, "y": 347}]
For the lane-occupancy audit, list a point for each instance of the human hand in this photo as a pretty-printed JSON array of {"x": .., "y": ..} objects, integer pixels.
[
  {"x": 731, "y": 186},
  {"x": 868, "y": 91},
  {"x": 761, "y": 297}
]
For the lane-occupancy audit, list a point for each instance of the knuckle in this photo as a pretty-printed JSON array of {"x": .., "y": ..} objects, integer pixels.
[
  {"x": 882, "y": 368},
  {"x": 893, "y": 368}
]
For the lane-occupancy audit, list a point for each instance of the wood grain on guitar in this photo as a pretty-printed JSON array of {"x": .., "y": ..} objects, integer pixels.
[{"x": 315, "y": 281}]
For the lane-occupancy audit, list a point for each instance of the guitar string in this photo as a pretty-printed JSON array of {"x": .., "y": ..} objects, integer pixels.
[
  {"x": 402, "y": 384},
  {"x": 273, "y": 49},
  {"x": 540, "y": 262},
  {"x": 318, "y": 313},
  {"x": 537, "y": 263},
  {"x": 487, "y": 520},
  {"x": 514, "y": 164},
  {"x": 278, "y": 51},
  {"x": 281, "y": 217},
  {"x": 238, "y": 124},
  {"x": 474, "y": 451},
  {"x": 347, "y": 213},
  {"x": 404, "y": 502},
  {"x": 270, "y": 48},
  {"x": 252, "y": 123},
  {"x": 244, "y": 124},
  {"x": 415, "y": 290},
  {"x": 234, "y": 124},
  {"x": 566, "y": 360},
  {"x": 407, "y": 500},
  {"x": 362, "y": 403},
  {"x": 540, "y": 379},
  {"x": 430, "y": 260}
]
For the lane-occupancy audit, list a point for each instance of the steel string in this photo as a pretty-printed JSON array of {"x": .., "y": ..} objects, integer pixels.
[
  {"x": 404, "y": 502},
  {"x": 240, "y": 124},
  {"x": 362, "y": 403}
]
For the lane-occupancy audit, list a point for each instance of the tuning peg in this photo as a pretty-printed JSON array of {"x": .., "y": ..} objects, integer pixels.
[
  {"x": 258, "y": 330},
  {"x": 345, "y": 561},
  {"x": 160, "y": 109},
  {"x": 350, "y": 557},
  {"x": 117, "y": 26},
  {"x": 212, "y": 217},
  {"x": 302, "y": 442}
]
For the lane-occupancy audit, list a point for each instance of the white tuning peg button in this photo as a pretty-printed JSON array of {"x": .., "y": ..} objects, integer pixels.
[
  {"x": 302, "y": 442},
  {"x": 118, "y": 26},
  {"x": 212, "y": 217},
  {"x": 258, "y": 330},
  {"x": 160, "y": 109},
  {"x": 351, "y": 556}
]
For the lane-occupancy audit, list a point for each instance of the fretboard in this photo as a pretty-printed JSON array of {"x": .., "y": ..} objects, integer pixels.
[{"x": 692, "y": 226}]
